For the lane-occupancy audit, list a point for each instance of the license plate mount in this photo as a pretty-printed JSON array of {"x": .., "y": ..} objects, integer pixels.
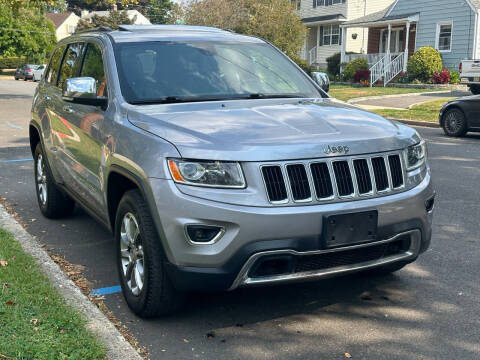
[{"x": 350, "y": 229}]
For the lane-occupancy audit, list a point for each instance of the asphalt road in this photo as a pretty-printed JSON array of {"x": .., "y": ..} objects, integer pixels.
[{"x": 429, "y": 310}]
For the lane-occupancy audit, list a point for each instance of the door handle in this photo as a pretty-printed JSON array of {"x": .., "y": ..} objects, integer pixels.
[{"x": 68, "y": 109}]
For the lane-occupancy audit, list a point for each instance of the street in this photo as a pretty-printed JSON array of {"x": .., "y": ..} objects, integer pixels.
[{"x": 429, "y": 310}]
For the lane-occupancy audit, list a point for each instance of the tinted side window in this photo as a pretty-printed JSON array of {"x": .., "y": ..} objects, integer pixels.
[
  {"x": 93, "y": 67},
  {"x": 71, "y": 63},
  {"x": 51, "y": 76}
]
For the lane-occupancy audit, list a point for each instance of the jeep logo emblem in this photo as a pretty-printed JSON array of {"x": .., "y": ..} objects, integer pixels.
[{"x": 336, "y": 150}]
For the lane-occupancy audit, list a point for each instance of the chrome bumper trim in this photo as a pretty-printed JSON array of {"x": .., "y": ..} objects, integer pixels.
[{"x": 243, "y": 280}]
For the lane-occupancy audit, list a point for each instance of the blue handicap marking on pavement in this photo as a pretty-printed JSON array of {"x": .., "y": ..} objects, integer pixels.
[
  {"x": 17, "y": 160},
  {"x": 106, "y": 290},
  {"x": 13, "y": 125}
]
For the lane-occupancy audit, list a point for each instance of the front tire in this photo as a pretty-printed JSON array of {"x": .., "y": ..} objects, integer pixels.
[
  {"x": 454, "y": 123},
  {"x": 141, "y": 262},
  {"x": 53, "y": 203}
]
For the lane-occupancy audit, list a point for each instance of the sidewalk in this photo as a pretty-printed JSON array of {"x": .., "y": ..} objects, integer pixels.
[{"x": 405, "y": 101}]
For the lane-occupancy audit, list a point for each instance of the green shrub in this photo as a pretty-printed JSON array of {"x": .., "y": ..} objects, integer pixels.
[
  {"x": 424, "y": 63},
  {"x": 353, "y": 66},
  {"x": 11, "y": 62},
  {"x": 304, "y": 65},
  {"x": 454, "y": 77},
  {"x": 333, "y": 63}
]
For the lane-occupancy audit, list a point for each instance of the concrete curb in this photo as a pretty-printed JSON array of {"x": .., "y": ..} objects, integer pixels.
[
  {"x": 418, "y": 123},
  {"x": 115, "y": 344},
  {"x": 366, "y": 98}
]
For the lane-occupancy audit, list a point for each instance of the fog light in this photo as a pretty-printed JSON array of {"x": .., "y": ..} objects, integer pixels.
[
  {"x": 204, "y": 234},
  {"x": 429, "y": 204}
]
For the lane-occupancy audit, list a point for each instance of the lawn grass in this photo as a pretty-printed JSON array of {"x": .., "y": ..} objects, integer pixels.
[
  {"x": 346, "y": 92},
  {"x": 35, "y": 321},
  {"x": 422, "y": 112}
]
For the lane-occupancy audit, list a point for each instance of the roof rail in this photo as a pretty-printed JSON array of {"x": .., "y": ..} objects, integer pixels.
[{"x": 96, "y": 29}]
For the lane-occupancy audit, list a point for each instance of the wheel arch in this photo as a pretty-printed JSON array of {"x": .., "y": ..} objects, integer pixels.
[
  {"x": 34, "y": 136},
  {"x": 119, "y": 181}
]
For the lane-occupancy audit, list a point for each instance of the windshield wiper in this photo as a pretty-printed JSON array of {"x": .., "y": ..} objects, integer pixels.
[
  {"x": 275, "y": 96},
  {"x": 188, "y": 99}
]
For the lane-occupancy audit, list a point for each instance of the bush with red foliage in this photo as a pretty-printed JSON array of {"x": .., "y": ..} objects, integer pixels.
[
  {"x": 441, "y": 77},
  {"x": 361, "y": 75}
]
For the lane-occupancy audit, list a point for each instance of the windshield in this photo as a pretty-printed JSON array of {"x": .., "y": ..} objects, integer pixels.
[{"x": 161, "y": 72}]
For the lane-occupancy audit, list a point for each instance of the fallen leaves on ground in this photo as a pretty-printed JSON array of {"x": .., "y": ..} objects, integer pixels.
[
  {"x": 3, "y": 263},
  {"x": 348, "y": 356}
]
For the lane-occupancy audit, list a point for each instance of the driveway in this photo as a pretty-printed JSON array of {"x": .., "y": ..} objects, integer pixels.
[{"x": 429, "y": 310}]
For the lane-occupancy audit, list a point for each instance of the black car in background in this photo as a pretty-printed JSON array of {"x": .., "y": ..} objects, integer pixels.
[
  {"x": 461, "y": 115},
  {"x": 25, "y": 72}
]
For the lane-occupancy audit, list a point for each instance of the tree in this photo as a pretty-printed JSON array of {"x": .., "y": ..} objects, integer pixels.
[
  {"x": 273, "y": 20},
  {"x": 157, "y": 11},
  {"x": 58, "y": 6},
  {"x": 25, "y": 31},
  {"x": 113, "y": 20},
  {"x": 78, "y": 5}
]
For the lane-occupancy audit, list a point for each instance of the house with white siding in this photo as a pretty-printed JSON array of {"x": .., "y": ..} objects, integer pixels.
[
  {"x": 324, "y": 18},
  {"x": 394, "y": 33}
]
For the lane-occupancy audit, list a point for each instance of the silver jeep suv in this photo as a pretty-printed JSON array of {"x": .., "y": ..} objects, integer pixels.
[{"x": 218, "y": 163}]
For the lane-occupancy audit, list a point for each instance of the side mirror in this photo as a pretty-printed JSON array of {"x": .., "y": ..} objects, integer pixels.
[
  {"x": 82, "y": 90},
  {"x": 322, "y": 80}
]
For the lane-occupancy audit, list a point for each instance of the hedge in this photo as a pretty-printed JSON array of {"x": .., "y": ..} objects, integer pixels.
[{"x": 11, "y": 62}]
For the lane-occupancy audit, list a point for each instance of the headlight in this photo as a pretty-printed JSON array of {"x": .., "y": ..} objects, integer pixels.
[
  {"x": 415, "y": 156},
  {"x": 225, "y": 174}
]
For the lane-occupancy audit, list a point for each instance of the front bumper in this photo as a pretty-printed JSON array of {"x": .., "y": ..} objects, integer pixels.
[{"x": 252, "y": 232}]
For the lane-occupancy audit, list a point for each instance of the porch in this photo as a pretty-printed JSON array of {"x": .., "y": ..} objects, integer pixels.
[{"x": 391, "y": 41}]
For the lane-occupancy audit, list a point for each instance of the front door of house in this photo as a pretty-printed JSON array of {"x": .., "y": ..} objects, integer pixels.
[{"x": 396, "y": 41}]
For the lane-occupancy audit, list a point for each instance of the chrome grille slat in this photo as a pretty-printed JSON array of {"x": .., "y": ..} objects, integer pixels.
[
  {"x": 322, "y": 180},
  {"x": 336, "y": 178},
  {"x": 274, "y": 183},
  {"x": 396, "y": 171},
  {"x": 380, "y": 173},
  {"x": 299, "y": 182}
]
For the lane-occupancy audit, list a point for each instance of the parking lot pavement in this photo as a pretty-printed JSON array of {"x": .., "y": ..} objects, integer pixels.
[{"x": 429, "y": 310}]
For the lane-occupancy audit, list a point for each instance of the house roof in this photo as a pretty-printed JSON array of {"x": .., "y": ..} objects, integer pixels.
[
  {"x": 324, "y": 18},
  {"x": 58, "y": 18}
]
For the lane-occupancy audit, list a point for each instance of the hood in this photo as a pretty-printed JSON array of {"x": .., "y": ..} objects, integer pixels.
[{"x": 270, "y": 130}]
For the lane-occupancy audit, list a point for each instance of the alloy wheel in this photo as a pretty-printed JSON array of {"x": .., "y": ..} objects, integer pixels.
[
  {"x": 41, "y": 180},
  {"x": 131, "y": 253},
  {"x": 453, "y": 122}
]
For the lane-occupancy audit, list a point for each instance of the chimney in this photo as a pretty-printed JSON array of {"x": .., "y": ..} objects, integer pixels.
[{"x": 114, "y": 7}]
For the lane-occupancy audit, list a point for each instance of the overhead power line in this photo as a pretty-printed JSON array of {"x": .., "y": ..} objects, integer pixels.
[{"x": 22, "y": 30}]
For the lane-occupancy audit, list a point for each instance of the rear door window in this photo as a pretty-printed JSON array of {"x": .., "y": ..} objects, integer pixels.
[{"x": 71, "y": 64}]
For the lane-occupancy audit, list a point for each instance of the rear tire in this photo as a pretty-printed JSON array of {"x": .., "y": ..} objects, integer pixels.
[
  {"x": 146, "y": 286},
  {"x": 53, "y": 203},
  {"x": 454, "y": 123},
  {"x": 475, "y": 89}
]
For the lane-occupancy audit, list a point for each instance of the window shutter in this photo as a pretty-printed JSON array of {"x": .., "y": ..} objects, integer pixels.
[
  {"x": 314, "y": 4},
  {"x": 340, "y": 38},
  {"x": 321, "y": 36},
  {"x": 344, "y": 1}
]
